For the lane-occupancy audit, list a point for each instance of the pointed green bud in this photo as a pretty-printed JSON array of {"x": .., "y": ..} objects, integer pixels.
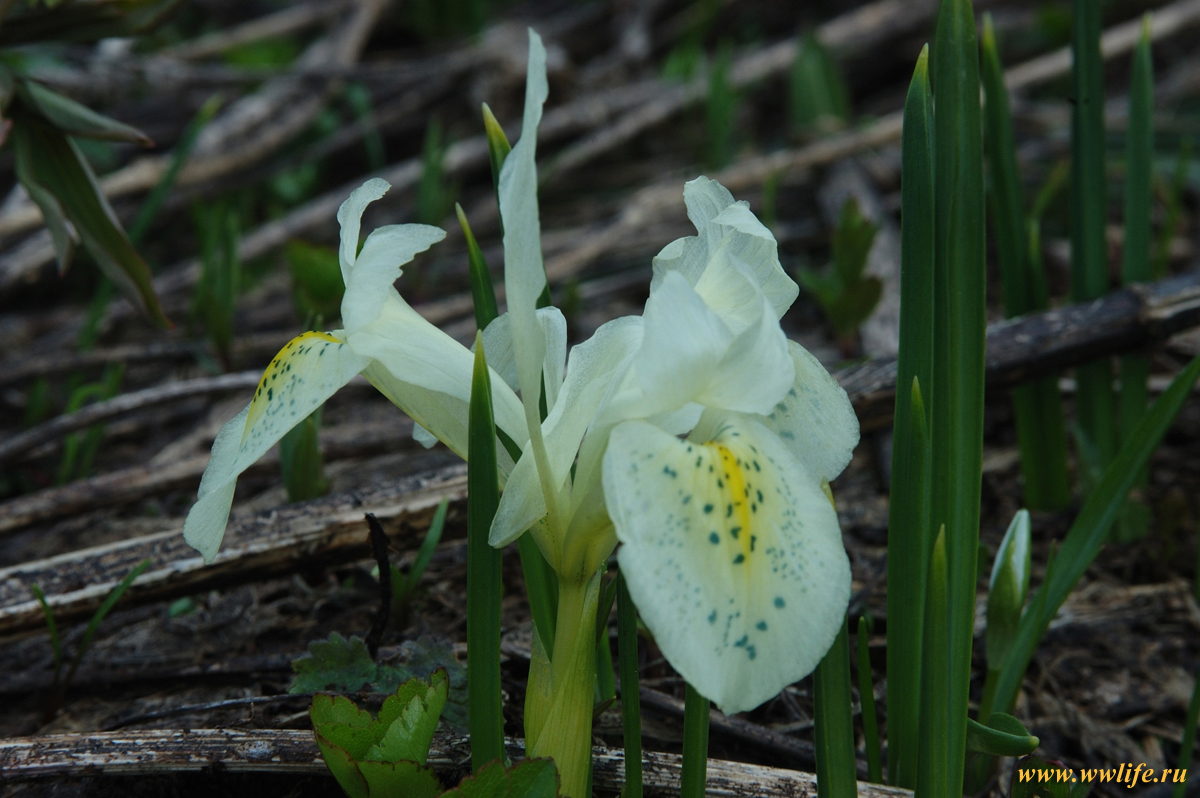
[
  {"x": 1008, "y": 589},
  {"x": 483, "y": 293},
  {"x": 498, "y": 146}
]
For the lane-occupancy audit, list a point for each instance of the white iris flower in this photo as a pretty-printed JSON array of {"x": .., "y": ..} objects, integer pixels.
[
  {"x": 421, "y": 369},
  {"x": 697, "y": 435}
]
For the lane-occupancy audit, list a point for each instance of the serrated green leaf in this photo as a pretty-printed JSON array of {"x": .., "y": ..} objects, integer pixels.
[
  {"x": 409, "y": 719},
  {"x": 76, "y": 119},
  {"x": 855, "y": 305},
  {"x": 48, "y": 160},
  {"x": 424, "y": 657},
  {"x": 343, "y": 768},
  {"x": 394, "y": 779},
  {"x": 852, "y": 242},
  {"x": 354, "y": 740},
  {"x": 532, "y": 778},
  {"x": 334, "y": 664},
  {"x": 1000, "y": 737},
  {"x": 337, "y": 709}
]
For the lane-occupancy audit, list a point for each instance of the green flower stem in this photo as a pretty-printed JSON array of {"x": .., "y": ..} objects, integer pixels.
[
  {"x": 558, "y": 716},
  {"x": 1135, "y": 266},
  {"x": 908, "y": 513},
  {"x": 1089, "y": 248},
  {"x": 958, "y": 362},
  {"x": 631, "y": 711},
  {"x": 484, "y": 586},
  {"x": 693, "y": 778},
  {"x": 1041, "y": 431},
  {"x": 837, "y": 775},
  {"x": 933, "y": 774},
  {"x": 866, "y": 699}
]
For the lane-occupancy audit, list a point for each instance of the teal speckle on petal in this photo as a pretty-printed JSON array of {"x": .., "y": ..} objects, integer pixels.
[{"x": 779, "y": 602}]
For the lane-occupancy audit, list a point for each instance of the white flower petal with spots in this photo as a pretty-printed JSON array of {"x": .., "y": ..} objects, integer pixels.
[
  {"x": 815, "y": 419},
  {"x": 731, "y": 551},
  {"x": 302, "y": 376}
]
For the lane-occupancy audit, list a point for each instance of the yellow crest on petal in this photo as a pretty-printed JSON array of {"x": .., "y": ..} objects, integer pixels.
[{"x": 282, "y": 366}]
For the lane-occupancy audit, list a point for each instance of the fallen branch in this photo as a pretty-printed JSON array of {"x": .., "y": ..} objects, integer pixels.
[
  {"x": 155, "y": 478},
  {"x": 110, "y": 409},
  {"x": 14, "y": 371},
  {"x": 144, "y": 753},
  {"x": 1038, "y": 345},
  {"x": 323, "y": 531}
]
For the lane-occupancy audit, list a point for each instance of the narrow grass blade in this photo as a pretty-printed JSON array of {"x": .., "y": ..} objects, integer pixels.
[
  {"x": 606, "y": 686},
  {"x": 300, "y": 461},
  {"x": 1173, "y": 210},
  {"x": 866, "y": 699},
  {"x": 933, "y": 774},
  {"x": 52, "y": 628},
  {"x": 179, "y": 157},
  {"x": 541, "y": 587},
  {"x": 484, "y": 588},
  {"x": 833, "y": 724},
  {"x": 483, "y": 292},
  {"x": 1041, "y": 433},
  {"x": 428, "y": 546},
  {"x": 1188, "y": 743},
  {"x": 693, "y": 778},
  {"x": 1088, "y": 534},
  {"x": 958, "y": 355},
  {"x": 1089, "y": 247},
  {"x": 1135, "y": 264},
  {"x": 98, "y": 617},
  {"x": 631, "y": 711},
  {"x": 908, "y": 519}
]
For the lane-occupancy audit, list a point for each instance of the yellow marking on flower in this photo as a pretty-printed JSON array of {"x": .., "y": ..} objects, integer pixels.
[
  {"x": 281, "y": 364},
  {"x": 733, "y": 486}
]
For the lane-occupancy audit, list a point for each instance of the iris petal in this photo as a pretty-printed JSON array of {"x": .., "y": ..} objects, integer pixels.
[{"x": 731, "y": 551}]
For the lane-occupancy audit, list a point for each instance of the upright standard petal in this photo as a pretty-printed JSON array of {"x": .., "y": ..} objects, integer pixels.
[
  {"x": 815, "y": 419},
  {"x": 349, "y": 216},
  {"x": 378, "y": 267},
  {"x": 731, "y": 551},
  {"x": 592, "y": 370},
  {"x": 306, "y": 372},
  {"x": 524, "y": 271},
  {"x": 690, "y": 354},
  {"x": 723, "y": 224},
  {"x": 497, "y": 342}
]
